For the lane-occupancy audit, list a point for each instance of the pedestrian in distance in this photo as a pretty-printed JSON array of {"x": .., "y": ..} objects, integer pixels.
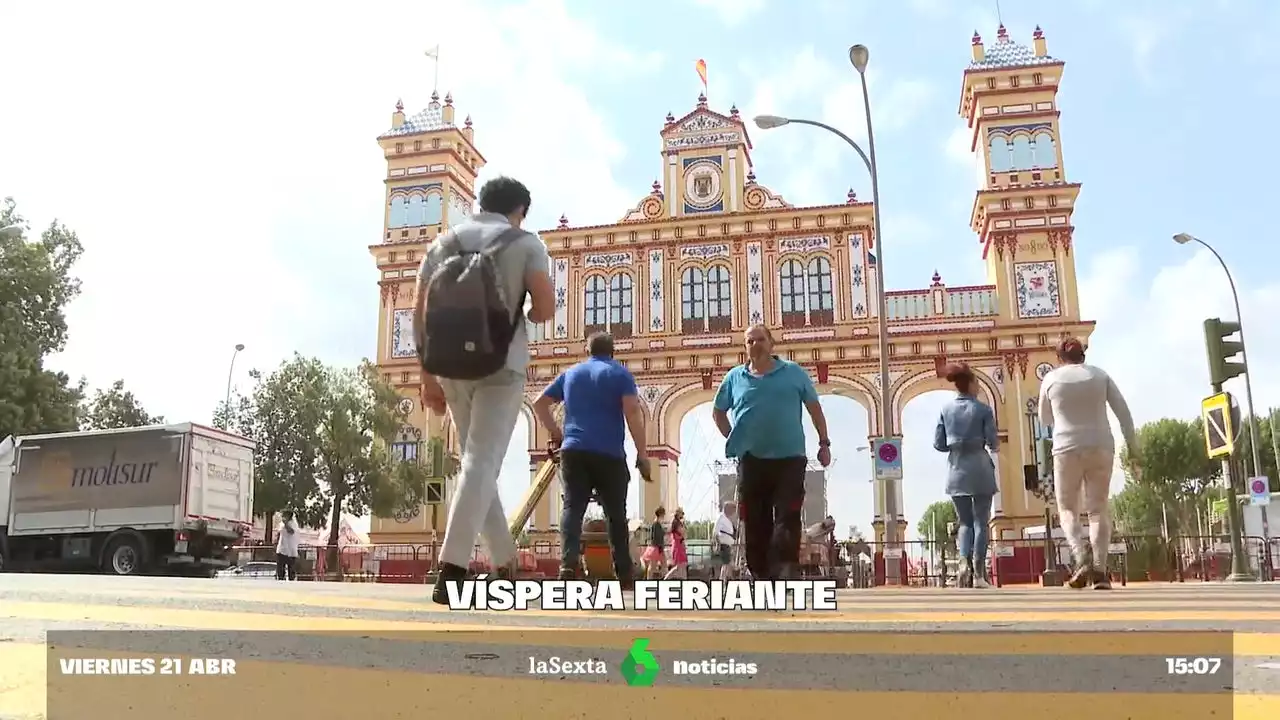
[
  {"x": 655, "y": 554},
  {"x": 472, "y": 334},
  {"x": 725, "y": 538},
  {"x": 679, "y": 553},
  {"x": 759, "y": 410},
  {"x": 600, "y": 403},
  {"x": 1073, "y": 402},
  {"x": 287, "y": 548},
  {"x": 967, "y": 433}
]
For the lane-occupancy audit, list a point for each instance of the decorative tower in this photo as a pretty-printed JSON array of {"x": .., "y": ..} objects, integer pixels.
[
  {"x": 707, "y": 161},
  {"x": 431, "y": 174},
  {"x": 1022, "y": 216},
  {"x": 1022, "y": 210}
]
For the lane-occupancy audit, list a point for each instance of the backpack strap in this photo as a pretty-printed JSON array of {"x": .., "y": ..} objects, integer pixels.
[{"x": 505, "y": 238}]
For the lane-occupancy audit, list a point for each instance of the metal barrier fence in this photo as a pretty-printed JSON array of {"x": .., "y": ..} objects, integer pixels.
[{"x": 857, "y": 564}]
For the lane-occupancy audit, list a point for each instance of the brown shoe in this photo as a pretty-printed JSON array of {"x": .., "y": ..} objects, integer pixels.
[
  {"x": 1082, "y": 576},
  {"x": 1101, "y": 581}
]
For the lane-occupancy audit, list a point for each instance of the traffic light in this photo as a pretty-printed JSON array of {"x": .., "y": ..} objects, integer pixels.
[{"x": 1221, "y": 368}]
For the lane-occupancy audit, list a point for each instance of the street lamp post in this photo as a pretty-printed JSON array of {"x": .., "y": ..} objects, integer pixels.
[
  {"x": 1254, "y": 444},
  {"x": 859, "y": 55},
  {"x": 230, "y": 371}
]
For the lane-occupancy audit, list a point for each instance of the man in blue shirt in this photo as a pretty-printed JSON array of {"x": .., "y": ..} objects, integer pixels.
[
  {"x": 758, "y": 411},
  {"x": 598, "y": 395}
]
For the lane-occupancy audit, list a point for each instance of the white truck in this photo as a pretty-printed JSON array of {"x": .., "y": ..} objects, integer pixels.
[{"x": 162, "y": 499}]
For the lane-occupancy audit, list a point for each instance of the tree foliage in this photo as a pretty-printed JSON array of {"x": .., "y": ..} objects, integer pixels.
[
  {"x": 934, "y": 524},
  {"x": 324, "y": 439},
  {"x": 35, "y": 286},
  {"x": 1175, "y": 479},
  {"x": 113, "y": 408}
]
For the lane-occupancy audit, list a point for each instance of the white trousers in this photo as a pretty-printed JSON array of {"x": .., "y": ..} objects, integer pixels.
[
  {"x": 1082, "y": 484},
  {"x": 484, "y": 415}
]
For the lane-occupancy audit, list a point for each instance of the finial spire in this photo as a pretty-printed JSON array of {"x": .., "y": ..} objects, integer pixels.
[
  {"x": 977, "y": 39},
  {"x": 448, "y": 99},
  {"x": 702, "y": 100},
  {"x": 467, "y": 122},
  {"x": 564, "y": 222},
  {"x": 1038, "y": 34},
  {"x": 851, "y": 198},
  {"x": 399, "y": 105},
  {"x": 1002, "y": 34},
  {"x": 937, "y": 279}
]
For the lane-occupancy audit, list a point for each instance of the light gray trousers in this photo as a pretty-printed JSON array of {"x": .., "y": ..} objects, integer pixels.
[{"x": 484, "y": 414}]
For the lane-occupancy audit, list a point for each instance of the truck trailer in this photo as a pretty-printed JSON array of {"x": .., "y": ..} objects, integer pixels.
[{"x": 162, "y": 499}]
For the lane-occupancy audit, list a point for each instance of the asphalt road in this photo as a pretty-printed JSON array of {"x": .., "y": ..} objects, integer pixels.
[{"x": 324, "y": 650}]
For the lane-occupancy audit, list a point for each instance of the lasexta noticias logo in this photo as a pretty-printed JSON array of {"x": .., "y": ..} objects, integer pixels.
[{"x": 640, "y": 667}]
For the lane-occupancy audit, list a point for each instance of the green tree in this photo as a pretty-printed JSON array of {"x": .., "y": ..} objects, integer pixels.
[
  {"x": 934, "y": 523},
  {"x": 1175, "y": 475},
  {"x": 35, "y": 286},
  {"x": 324, "y": 444},
  {"x": 1136, "y": 510},
  {"x": 281, "y": 416},
  {"x": 113, "y": 408},
  {"x": 1266, "y": 450},
  {"x": 359, "y": 415}
]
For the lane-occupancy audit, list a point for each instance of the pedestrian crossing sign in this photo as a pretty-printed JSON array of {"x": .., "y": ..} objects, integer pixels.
[{"x": 1215, "y": 415}]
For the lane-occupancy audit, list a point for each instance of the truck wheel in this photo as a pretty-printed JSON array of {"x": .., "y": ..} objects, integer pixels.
[{"x": 123, "y": 556}]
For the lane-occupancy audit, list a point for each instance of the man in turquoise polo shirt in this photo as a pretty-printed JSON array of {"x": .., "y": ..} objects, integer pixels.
[{"x": 758, "y": 411}]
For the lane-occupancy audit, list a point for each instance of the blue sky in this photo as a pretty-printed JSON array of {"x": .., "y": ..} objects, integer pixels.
[{"x": 220, "y": 165}]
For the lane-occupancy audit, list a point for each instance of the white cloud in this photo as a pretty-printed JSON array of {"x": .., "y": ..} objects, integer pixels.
[
  {"x": 827, "y": 88},
  {"x": 732, "y": 12},
  {"x": 958, "y": 146},
  {"x": 225, "y": 178},
  {"x": 1150, "y": 337}
]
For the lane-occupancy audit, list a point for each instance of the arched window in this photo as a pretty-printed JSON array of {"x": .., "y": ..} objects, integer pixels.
[
  {"x": 692, "y": 305},
  {"x": 434, "y": 211},
  {"x": 1022, "y": 158},
  {"x": 822, "y": 308},
  {"x": 620, "y": 305},
  {"x": 417, "y": 211},
  {"x": 1046, "y": 154},
  {"x": 1001, "y": 157},
  {"x": 398, "y": 216},
  {"x": 719, "y": 299},
  {"x": 791, "y": 277},
  {"x": 596, "y": 306},
  {"x": 408, "y": 445}
]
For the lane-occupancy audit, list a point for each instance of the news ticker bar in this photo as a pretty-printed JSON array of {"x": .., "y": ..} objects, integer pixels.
[{"x": 87, "y": 668}]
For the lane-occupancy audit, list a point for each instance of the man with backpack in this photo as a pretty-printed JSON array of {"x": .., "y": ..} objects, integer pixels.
[{"x": 470, "y": 326}]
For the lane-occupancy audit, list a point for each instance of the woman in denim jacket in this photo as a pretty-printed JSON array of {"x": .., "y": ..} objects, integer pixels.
[{"x": 967, "y": 433}]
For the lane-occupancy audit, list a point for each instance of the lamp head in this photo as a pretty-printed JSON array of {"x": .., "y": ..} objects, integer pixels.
[
  {"x": 1183, "y": 238},
  {"x": 768, "y": 122},
  {"x": 239, "y": 347},
  {"x": 859, "y": 55},
  {"x": 10, "y": 231}
]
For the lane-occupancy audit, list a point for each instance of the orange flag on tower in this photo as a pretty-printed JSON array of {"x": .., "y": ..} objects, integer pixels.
[{"x": 701, "y": 67}]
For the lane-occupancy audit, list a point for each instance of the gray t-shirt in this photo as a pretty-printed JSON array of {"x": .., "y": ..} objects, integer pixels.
[{"x": 522, "y": 255}]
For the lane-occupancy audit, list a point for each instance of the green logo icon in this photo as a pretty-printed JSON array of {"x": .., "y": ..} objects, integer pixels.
[{"x": 640, "y": 668}]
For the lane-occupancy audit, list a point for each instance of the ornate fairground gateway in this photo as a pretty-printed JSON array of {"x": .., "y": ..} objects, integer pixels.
[{"x": 710, "y": 250}]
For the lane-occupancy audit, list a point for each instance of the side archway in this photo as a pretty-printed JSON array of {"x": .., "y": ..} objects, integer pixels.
[{"x": 914, "y": 386}]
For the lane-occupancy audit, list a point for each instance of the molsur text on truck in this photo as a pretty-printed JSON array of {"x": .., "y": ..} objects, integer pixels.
[{"x": 169, "y": 499}]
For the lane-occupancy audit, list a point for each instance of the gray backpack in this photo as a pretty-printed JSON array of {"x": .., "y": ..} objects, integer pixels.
[{"x": 469, "y": 323}]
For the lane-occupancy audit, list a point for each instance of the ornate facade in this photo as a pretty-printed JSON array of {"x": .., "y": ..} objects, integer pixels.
[{"x": 710, "y": 250}]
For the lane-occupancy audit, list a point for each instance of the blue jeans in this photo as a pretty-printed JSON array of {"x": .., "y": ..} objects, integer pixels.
[{"x": 973, "y": 513}]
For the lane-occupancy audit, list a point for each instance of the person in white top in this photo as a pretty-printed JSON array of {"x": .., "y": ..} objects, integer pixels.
[
  {"x": 287, "y": 548},
  {"x": 726, "y": 537},
  {"x": 1073, "y": 402}
]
